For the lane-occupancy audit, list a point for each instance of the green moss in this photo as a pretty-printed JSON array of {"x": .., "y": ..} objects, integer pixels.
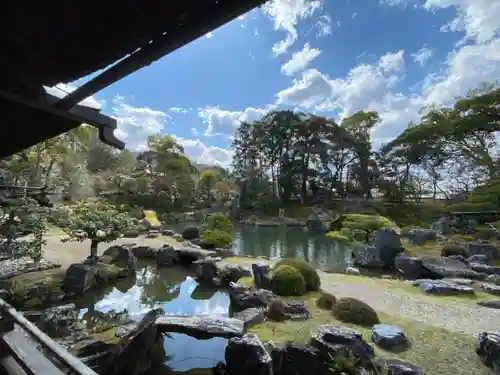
[
  {"x": 288, "y": 281},
  {"x": 308, "y": 272},
  {"x": 33, "y": 289},
  {"x": 438, "y": 351},
  {"x": 217, "y": 238}
]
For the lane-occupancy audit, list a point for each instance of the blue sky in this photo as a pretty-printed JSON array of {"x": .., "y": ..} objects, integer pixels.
[{"x": 329, "y": 57}]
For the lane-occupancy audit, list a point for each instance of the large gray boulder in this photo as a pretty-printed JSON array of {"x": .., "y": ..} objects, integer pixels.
[
  {"x": 419, "y": 236},
  {"x": 247, "y": 356}
]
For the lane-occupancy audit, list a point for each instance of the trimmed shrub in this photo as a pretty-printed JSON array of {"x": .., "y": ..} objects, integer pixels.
[
  {"x": 308, "y": 272},
  {"x": 276, "y": 310},
  {"x": 216, "y": 238},
  {"x": 326, "y": 301},
  {"x": 288, "y": 281},
  {"x": 484, "y": 233},
  {"x": 453, "y": 249},
  {"x": 351, "y": 310},
  {"x": 190, "y": 233}
]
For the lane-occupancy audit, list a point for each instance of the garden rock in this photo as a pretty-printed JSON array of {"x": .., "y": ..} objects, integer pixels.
[
  {"x": 190, "y": 254},
  {"x": 228, "y": 272},
  {"x": 389, "y": 337},
  {"x": 314, "y": 224},
  {"x": 332, "y": 340},
  {"x": 144, "y": 252},
  {"x": 201, "y": 326},
  {"x": 485, "y": 248},
  {"x": 247, "y": 356},
  {"x": 167, "y": 256},
  {"x": 419, "y": 236},
  {"x": 79, "y": 278},
  {"x": 485, "y": 268},
  {"x": 495, "y": 304},
  {"x": 410, "y": 267},
  {"x": 206, "y": 270},
  {"x": 137, "y": 350},
  {"x": 168, "y": 232},
  {"x": 397, "y": 367},
  {"x": 244, "y": 297},
  {"x": 488, "y": 349},
  {"x": 388, "y": 245},
  {"x": 60, "y": 321},
  {"x": 460, "y": 258},
  {"x": 251, "y": 316},
  {"x": 479, "y": 258},
  {"x": 442, "y": 226},
  {"x": 352, "y": 271},
  {"x": 490, "y": 288},
  {"x": 296, "y": 310},
  {"x": 493, "y": 279},
  {"x": 439, "y": 267},
  {"x": 261, "y": 275},
  {"x": 443, "y": 287},
  {"x": 298, "y": 359},
  {"x": 366, "y": 256},
  {"x": 122, "y": 257}
]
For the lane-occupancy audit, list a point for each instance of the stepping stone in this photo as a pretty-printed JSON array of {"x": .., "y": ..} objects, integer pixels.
[
  {"x": 490, "y": 288},
  {"x": 251, "y": 316},
  {"x": 443, "y": 287},
  {"x": 490, "y": 304},
  {"x": 201, "y": 326},
  {"x": 389, "y": 337}
]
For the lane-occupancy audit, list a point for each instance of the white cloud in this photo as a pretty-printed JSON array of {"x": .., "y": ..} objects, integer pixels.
[
  {"x": 135, "y": 124},
  {"x": 179, "y": 110},
  {"x": 195, "y": 132},
  {"x": 286, "y": 14},
  {"x": 209, "y": 35},
  {"x": 63, "y": 89},
  {"x": 392, "y": 3},
  {"x": 422, "y": 55},
  {"x": 224, "y": 122},
  {"x": 478, "y": 19},
  {"x": 315, "y": 90},
  {"x": 203, "y": 154},
  {"x": 300, "y": 60},
  {"x": 324, "y": 25},
  {"x": 392, "y": 62},
  {"x": 373, "y": 87}
]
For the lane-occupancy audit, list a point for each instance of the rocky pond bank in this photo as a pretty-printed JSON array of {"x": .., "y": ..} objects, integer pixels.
[{"x": 254, "y": 304}]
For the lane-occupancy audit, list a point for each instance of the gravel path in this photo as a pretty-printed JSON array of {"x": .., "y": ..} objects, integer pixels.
[{"x": 457, "y": 317}]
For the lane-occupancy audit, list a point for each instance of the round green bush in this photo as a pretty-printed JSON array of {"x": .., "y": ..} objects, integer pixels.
[
  {"x": 216, "y": 239},
  {"x": 276, "y": 310},
  {"x": 288, "y": 281},
  {"x": 351, "y": 310},
  {"x": 326, "y": 301},
  {"x": 190, "y": 233},
  {"x": 309, "y": 273},
  {"x": 453, "y": 249}
]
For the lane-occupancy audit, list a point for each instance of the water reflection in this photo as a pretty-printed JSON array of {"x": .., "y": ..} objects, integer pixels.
[{"x": 178, "y": 294}]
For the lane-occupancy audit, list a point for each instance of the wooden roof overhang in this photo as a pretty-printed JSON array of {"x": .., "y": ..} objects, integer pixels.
[{"x": 44, "y": 43}]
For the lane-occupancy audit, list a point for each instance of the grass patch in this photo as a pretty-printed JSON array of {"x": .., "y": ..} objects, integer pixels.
[
  {"x": 438, "y": 351},
  {"x": 428, "y": 249}
]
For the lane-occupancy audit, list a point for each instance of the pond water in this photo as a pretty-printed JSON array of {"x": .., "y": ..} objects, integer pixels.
[
  {"x": 177, "y": 293},
  {"x": 280, "y": 242}
]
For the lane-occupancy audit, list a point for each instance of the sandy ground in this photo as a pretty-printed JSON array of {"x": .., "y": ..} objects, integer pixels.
[{"x": 66, "y": 253}]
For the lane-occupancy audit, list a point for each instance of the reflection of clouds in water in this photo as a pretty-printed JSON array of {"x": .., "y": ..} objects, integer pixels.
[{"x": 117, "y": 301}]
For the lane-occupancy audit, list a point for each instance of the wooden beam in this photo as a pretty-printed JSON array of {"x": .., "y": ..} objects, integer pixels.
[{"x": 78, "y": 114}]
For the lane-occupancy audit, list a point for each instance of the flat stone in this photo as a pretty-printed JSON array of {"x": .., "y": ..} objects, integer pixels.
[
  {"x": 479, "y": 258},
  {"x": 202, "y": 326},
  {"x": 443, "y": 287},
  {"x": 251, "y": 316},
  {"x": 495, "y": 304},
  {"x": 398, "y": 367},
  {"x": 490, "y": 288},
  {"x": 13, "y": 267},
  {"x": 389, "y": 337},
  {"x": 485, "y": 268},
  {"x": 440, "y": 267}
]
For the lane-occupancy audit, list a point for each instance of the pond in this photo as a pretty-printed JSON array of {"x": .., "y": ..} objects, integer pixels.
[
  {"x": 177, "y": 293},
  {"x": 280, "y": 242}
]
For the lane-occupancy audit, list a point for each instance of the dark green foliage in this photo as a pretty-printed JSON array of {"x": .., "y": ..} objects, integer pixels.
[
  {"x": 453, "y": 249},
  {"x": 190, "y": 233},
  {"x": 326, "y": 301},
  {"x": 288, "y": 281},
  {"x": 483, "y": 198},
  {"x": 308, "y": 272},
  {"x": 216, "y": 238},
  {"x": 351, "y": 310}
]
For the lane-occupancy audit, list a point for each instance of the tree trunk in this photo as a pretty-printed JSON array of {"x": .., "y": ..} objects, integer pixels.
[{"x": 93, "y": 249}]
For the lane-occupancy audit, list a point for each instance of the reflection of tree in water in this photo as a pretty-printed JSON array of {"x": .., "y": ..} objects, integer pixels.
[
  {"x": 103, "y": 319},
  {"x": 159, "y": 285}
]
